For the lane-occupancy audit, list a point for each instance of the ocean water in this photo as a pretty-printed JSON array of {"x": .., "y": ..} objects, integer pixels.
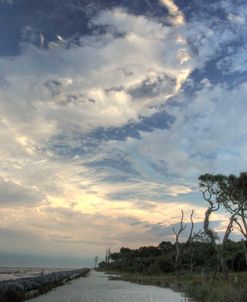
[
  {"x": 10, "y": 273},
  {"x": 98, "y": 288}
]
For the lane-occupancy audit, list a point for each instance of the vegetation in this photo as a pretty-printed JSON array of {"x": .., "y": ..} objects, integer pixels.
[
  {"x": 194, "y": 286},
  {"x": 206, "y": 266},
  {"x": 198, "y": 256}
]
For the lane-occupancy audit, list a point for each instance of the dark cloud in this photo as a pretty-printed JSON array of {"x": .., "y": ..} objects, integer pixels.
[
  {"x": 13, "y": 194},
  {"x": 83, "y": 144},
  {"x": 152, "y": 87},
  {"x": 116, "y": 162},
  {"x": 162, "y": 230},
  {"x": 53, "y": 86},
  {"x": 11, "y": 259}
]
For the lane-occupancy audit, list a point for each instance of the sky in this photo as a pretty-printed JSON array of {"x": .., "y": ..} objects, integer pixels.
[{"x": 109, "y": 112}]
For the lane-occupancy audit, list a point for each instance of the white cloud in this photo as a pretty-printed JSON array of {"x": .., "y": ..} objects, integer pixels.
[
  {"x": 103, "y": 69},
  {"x": 46, "y": 93},
  {"x": 52, "y": 97},
  {"x": 210, "y": 37},
  {"x": 177, "y": 17},
  {"x": 208, "y": 135}
]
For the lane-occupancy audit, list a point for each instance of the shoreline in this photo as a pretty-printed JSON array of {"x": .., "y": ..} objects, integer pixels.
[{"x": 26, "y": 288}]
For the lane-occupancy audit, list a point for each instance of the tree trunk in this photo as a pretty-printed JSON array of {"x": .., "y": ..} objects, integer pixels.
[{"x": 245, "y": 252}]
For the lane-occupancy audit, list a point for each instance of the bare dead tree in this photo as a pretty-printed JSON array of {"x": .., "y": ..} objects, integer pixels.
[
  {"x": 182, "y": 227},
  {"x": 192, "y": 226},
  {"x": 191, "y": 238},
  {"x": 96, "y": 259},
  {"x": 180, "y": 248},
  {"x": 107, "y": 255},
  {"x": 229, "y": 229}
]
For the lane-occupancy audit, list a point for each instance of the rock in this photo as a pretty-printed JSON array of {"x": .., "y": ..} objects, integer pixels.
[{"x": 25, "y": 288}]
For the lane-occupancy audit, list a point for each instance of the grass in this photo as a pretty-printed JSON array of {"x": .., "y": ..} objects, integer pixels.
[{"x": 201, "y": 289}]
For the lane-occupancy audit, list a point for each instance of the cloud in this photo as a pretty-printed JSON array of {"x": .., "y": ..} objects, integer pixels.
[
  {"x": 177, "y": 17},
  {"x": 106, "y": 73},
  {"x": 13, "y": 194},
  {"x": 234, "y": 62},
  {"x": 7, "y": 1},
  {"x": 103, "y": 75},
  {"x": 209, "y": 32},
  {"x": 112, "y": 128},
  {"x": 208, "y": 136},
  {"x": 202, "y": 137}
]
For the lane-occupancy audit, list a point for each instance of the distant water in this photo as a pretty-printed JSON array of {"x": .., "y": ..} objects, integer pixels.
[
  {"x": 10, "y": 273},
  {"x": 98, "y": 288}
]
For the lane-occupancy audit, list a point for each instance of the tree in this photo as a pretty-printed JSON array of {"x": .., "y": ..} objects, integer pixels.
[
  {"x": 216, "y": 191},
  {"x": 107, "y": 255},
  {"x": 166, "y": 248},
  {"x": 191, "y": 237},
  {"x": 96, "y": 259},
  {"x": 230, "y": 192},
  {"x": 235, "y": 201},
  {"x": 177, "y": 233}
]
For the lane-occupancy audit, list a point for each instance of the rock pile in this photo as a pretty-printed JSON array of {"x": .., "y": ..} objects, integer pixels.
[{"x": 26, "y": 288}]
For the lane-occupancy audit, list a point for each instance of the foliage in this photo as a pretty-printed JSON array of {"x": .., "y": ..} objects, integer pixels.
[{"x": 161, "y": 259}]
